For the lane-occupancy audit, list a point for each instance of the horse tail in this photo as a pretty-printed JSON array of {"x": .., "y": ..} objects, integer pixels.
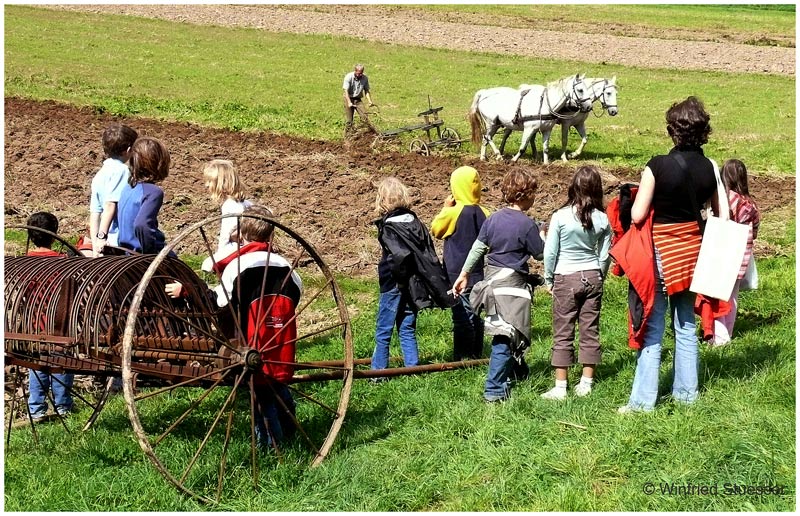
[{"x": 476, "y": 120}]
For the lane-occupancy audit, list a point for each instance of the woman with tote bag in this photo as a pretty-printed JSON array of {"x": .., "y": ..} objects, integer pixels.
[{"x": 671, "y": 191}]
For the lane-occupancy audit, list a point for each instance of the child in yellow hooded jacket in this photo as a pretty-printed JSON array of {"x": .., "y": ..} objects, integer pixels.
[{"x": 458, "y": 224}]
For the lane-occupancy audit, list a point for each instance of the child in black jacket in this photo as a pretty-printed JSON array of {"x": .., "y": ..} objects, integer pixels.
[{"x": 409, "y": 272}]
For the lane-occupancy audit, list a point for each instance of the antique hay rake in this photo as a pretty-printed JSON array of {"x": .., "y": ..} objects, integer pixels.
[{"x": 189, "y": 369}]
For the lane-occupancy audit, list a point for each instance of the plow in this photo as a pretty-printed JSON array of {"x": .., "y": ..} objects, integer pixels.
[{"x": 189, "y": 371}]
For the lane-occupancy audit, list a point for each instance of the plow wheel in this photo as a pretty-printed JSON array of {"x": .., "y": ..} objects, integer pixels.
[
  {"x": 418, "y": 146},
  {"x": 450, "y": 138},
  {"x": 194, "y": 372}
]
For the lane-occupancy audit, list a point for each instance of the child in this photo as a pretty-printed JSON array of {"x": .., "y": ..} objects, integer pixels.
[
  {"x": 458, "y": 224},
  {"x": 248, "y": 262},
  {"x": 409, "y": 273},
  {"x": 107, "y": 187},
  {"x": 575, "y": 262},
  {"x": 511, "y": 238},
  {"x": 39, "y": 383},
  {"x": 223, "y": 184},
  {"x": 141, "y": 199},
  {"x": 743, "y": 211}
]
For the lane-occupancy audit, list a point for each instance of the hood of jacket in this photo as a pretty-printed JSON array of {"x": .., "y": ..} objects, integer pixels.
[{"x": 465, "y": 185}]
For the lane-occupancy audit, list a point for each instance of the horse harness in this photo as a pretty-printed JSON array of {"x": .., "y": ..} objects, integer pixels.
[{"x": 565, "y": 112}]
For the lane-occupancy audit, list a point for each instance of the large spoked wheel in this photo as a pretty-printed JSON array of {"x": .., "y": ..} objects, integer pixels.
[
  {"x": 419, "y": 147},
  {"x": 207, "y": 388},
  {"x": 450, "y": 138}
]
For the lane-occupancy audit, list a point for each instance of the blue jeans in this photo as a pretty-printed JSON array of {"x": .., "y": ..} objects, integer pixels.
[
  {"x": 498, "y": 383},
  {"x": 272, "y": 420},
  {"x": 686, "y": 362},
  {"x": 40, "y": 383},
  {"x": 467, "y": 330},
  {"x": 395, "y": 310}
]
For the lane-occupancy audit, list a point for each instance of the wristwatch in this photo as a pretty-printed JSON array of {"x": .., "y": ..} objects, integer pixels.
[{"x": 101, "y": 235}]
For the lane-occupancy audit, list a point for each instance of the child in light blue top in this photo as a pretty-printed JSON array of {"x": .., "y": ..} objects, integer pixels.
[
  {"x": 571, "y": 248},
  {"x": 107, "y": 186},
  {"x": 576, "y": 261}
]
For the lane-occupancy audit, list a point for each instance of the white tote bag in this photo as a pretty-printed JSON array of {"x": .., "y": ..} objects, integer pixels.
[
  {"x": 720, "y": 259},
  {"x": 721, "y": 252}
]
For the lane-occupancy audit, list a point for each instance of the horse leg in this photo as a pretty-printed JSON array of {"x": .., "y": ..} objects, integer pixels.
[
  {"x": 564, "y": 139},
  {"x": 506, "y": 134},
  {"x": 487, "y": 140},
  {"x": 490, "y": 139},
  {"x": 526, "y": 136},
  {"x": 581, "y": 128},
  {"x": 546, "y": 144}
]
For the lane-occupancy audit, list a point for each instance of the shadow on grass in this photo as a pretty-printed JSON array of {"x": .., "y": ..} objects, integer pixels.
[{"x": 749, "y": 320}]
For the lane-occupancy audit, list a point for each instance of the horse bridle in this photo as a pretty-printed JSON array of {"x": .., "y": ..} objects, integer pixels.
[
  {"x": 575, "y": 100},
  {"x": 603, "y": 104}
]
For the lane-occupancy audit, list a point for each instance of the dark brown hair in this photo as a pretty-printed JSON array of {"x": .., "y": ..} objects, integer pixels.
[
  {"x": 688, "y": 123},
  {"x": 586, "y": 194},
  {"x": 734, "y": 175},
  {"x": 149, "y": 161},
  {"x": 44, "y": 220},
  {"x": 517, "y": 186},
  {"x": 117, "y": 139}
]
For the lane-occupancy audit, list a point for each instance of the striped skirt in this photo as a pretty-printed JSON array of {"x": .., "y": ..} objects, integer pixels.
[{"x": 678, "y": 244}]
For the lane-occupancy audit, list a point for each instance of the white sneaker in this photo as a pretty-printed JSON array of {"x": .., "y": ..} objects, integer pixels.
[
  {"x": 555, "y": 394},
  {"x": 583, "y": 389}
]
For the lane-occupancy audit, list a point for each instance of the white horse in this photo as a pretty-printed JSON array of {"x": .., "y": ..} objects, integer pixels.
[
  {"x": 530, "y": 110},
  {"x": 604, "y": 90}
]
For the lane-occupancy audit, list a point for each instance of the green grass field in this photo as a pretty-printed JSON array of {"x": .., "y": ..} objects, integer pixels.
[
  {"x": 428, "y": 443},
  {"x": 247, "y": 79}
]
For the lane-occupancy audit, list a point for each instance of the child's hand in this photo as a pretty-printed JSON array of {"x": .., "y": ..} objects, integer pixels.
[
  {"x": 450, "y": 201},
  {"x": 460, "y": 285},
  {"x": 173, "y": 290},
  {"x": 98, "y": 244}
]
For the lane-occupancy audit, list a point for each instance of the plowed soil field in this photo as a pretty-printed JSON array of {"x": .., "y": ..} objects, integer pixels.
[{"x": 323, "y": 190}]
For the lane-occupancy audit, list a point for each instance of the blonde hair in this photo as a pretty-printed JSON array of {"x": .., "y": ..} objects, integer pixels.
[
  {"x": 256, "y": 230},
  {"x": 224, "y": 180},
  {"x": 392, "y": 194}
]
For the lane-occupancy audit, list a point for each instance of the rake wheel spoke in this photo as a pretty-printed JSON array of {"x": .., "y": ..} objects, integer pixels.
[
  {"x": 189, "y": 410},
  {"x": 185, "y": 383},
  {"x": 211, "y": 429}
]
